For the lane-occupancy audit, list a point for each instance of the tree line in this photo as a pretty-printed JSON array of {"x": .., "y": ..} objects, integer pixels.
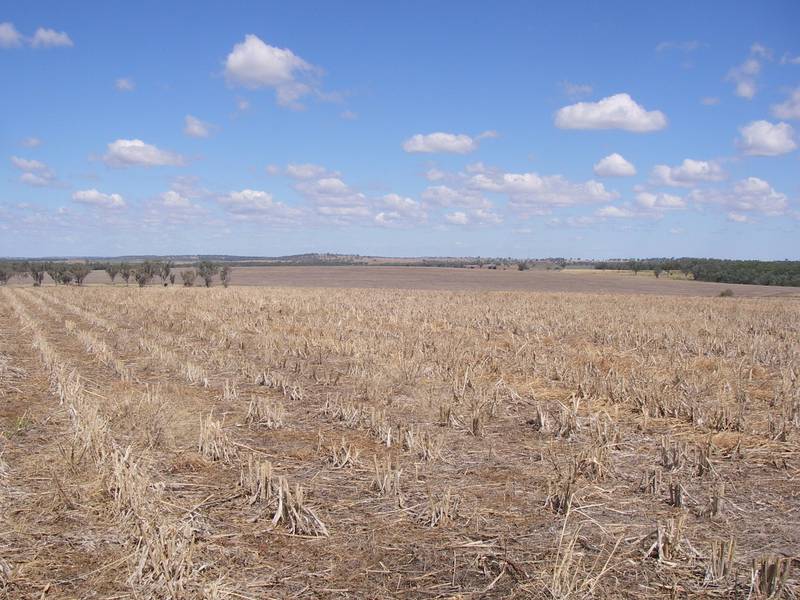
[
  {"x": 142, "y": 274},
  {"x": 759, "y": 272}
]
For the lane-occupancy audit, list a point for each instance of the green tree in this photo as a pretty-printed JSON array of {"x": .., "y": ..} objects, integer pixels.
[
  {"x": 188, "y": 276},
  {"x": 112, "y": 269},
  {"x": 206, "y": 270}
]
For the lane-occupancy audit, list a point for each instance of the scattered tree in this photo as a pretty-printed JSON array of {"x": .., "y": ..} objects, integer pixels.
[
  {"x": 6, "y": 273},
  {"x": 206, "y": 270},
  {"x": 172, "y": 278},
  {"x": 37, "y": 271},
  {"x": 165, "y": 268},
  {"x": 188, "y": 276},
  {"x": 80, "y": 273},
  {"x": 125, "y": 271},
  {"x": 112, "y": 269},
  {"x": 225, "y": 275}
]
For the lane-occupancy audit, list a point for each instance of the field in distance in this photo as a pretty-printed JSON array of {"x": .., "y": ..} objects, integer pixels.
[
  {"x": 275, "y": 442},
  {"x": 443, "y": 278}
]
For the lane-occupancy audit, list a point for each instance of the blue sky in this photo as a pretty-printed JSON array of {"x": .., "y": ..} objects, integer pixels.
[{"x": 418, "y": 128}]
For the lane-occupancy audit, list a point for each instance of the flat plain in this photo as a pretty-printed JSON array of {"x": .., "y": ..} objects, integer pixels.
[
  {"x": 453, "y": 279},
  {"x": 344, "y": 442}
]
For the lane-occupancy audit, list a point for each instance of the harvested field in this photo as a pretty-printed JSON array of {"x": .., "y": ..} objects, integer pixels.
[
  {"x": 276, "y": 442},
  {"x": 457, "y": 279}
]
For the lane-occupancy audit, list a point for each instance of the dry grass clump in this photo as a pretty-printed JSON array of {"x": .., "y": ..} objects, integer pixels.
[
  {"x": 263, "y": 412},
  {"x": 213, "y": 443},
  {"x": 387, "y": 477}
]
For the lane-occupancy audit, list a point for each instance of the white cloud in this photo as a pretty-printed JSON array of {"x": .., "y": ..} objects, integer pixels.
[
  {"x": 614, "y": 165},
  {"x": 35, "y": 173},
  {"x": 738, "y": 218},
  {"x": 194, "y": 127},
  {"x": 242, "y": 104},
  {"x": 130, "y": 153},
  {"x": 173, "y": 199},
  {"x": 125, "y": 84},
  {"x": 688, "y": 173},
  {"x": 744, "y": 75},
  {"x": 435, "y": 174},
  {"x": 9, "y": 36},
  {"x": 399, "y": 211},
  {"x": 444, "y": 142},
  {"x": 445, "y": 196},
  {"x": 709, "y": 100},
  {"x": 348, "y": 115},
  {"x": 42, "y": 179},
  {"x": 615, "y": 212},
  {"x": 789, "y": 109},
  {"x": 31, "y": 142},
  {"x": 305, "y": 171},
  {"x": 619, "y": 111},
  {"x": 788, "y": 59},
  {"x": 457, "y": 218},
  {"x": 50, "y": 38},
  {"x": 750, "y": 194},
  {"x": 26, "y": 164},
  {"x": 762, "y": 138},
  {"x": 650, "y": 201},
  {"x": 255, "y": 203},
  {"x": 94, "y": 198},
  {"x": 530, "y": 193},
  {"x": 255, "y": 64}
]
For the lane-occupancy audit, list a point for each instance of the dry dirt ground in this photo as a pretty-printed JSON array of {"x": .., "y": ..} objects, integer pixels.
[
  {"x": 277, "y": 442},
  {"x": 439, "y": 278}
]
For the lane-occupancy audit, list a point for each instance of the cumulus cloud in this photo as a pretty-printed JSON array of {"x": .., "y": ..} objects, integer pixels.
[
  {"x": 125, "y": 84},
  {"x": 399, "y": 211},
  {"x": 457, "y": 218},
  {"x": 478, "y": 216},
  {"x": 445, "y": 196},
  {"x": 530, "y": 193},
  {"x": 445, "y": 142},
  {"x": 688, "y": 173},
  {"x": 258, "y": 204},
  {"x": 173, "y": 199},
  {"x": 614, "y": 165},
  {"x": 790, "y": 109},
  {"x": 26, "y": 164},
  {"x": 615, "y": 212},
  {"x": 659, "y": 202},
  {"x": 99, "y": 199},
  {"x": 738, "y": 218},
  {"x": 50, "y": 38},
  {"x": 9, "y": 36},
  {"x": 255, "y": 64},
  {"x": 750, "y": 194},
  {"x": 306, "y": 171},
  {"x": 194, "y": 127},
  {"x": 34, "y": 172},
  {"x": 762, "y": 138},
  {"x": 744, "y": 75},
  {"x": 619, "y": 111},
  {"x": 136, "y": 153}
]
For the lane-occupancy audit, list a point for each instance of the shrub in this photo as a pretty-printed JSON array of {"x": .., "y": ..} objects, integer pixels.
[
  {"x": 726, "y": 293},
  {"x": 188, "y": 277}
]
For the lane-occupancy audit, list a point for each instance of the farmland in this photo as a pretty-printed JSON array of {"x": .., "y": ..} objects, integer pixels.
[{"x": 335, "y": 442}]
